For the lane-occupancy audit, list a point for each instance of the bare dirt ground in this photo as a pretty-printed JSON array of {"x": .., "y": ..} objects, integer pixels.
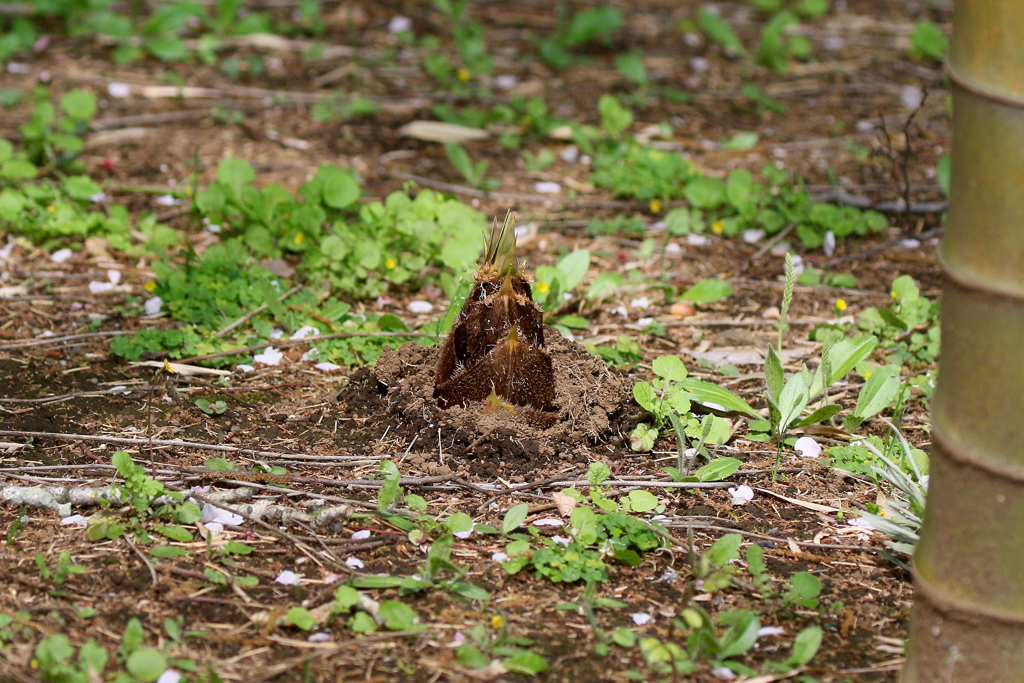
[{"x": 330, "y": 431}]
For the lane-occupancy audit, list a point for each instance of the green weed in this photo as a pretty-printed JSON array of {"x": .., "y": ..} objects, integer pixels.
[
  {"x": 928, "y": 42},
  {"x": 593, "y": 25}
]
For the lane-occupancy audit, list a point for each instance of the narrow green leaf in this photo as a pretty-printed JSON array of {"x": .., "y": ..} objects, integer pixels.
[
  {"x": 820, "y": 415},
  {"x": 718, "y": 469},
  {"x": 174, "y": 532},
  {"x": 470, "y": 656},
  {"x": 724, "y": 549},
  {"x": 773, "y": 375},
  {"x": 236, "y": 548},
  {"x": 707, "y": 291},
  {"x": 805, "y": 646},
  {"x": 468, "y": 590},
  {"x": 604, "y": 285},
  {"x": 376, "y": 581},
  {"x": 706, "y": 392},
  {"x": 879, "y": 391},
  {"x": 525, "y": 662},
  {"x": 741, "y": 636},
  {"x": 715, "y": 28},
  {"x": 793, "y": 399},
  {"x": 398, "y": 616},
  {"x": 575, "y": 322},
  {"x": 755, "y": 560},
  {"x": 270, "y": 298},
  {"x": 844, "y": 357},
  {"x": 515, "y": 516}
]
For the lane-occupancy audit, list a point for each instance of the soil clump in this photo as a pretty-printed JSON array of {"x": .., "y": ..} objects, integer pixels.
[{"x": 592, "y": 404}]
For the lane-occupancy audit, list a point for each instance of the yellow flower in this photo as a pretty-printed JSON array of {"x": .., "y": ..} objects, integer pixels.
[
  {"x": 389, "y": 264},
  {"x": 718, "y": 227},
  {"x": 497, "y": 622},
  {"x": 655, "y": 206},
  {"x": 188, "y": 190},
  {"x": 893, "y": 295},
  {"x": 866, "y": 375},
  {"x": 51, "y": 208},
  {"x": 150, "y": 286},
  {"x": 462, "y": 75},
  {"x": 840, "y": 305},
  {"x": 167, "y": 367},
  {"x": 542, "y": 287},
  {"x": 299, "y": 237}
]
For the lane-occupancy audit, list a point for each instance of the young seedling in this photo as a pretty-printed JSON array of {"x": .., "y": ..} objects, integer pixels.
[{"x": 495, "y": 351}]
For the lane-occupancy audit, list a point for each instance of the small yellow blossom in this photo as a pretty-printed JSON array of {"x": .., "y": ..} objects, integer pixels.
[
  {"x": 840, "y": 305},
  {"x": 655, "y": 206},
  {"x": 866, "y": 375},
  {"x": 299, "y": 237},
  {"x": 167, "y": 367},
  {"x": 188, "y": 190},
  {"x": 542, "y": 287},
  {"x": 51, "y": 208},
  {"x": 497, "y": 622},
  {"x": 150, "y": 286},
  {"x": 893, "y": 295},
  {"x": 390, "y": 263},
  {"x": 462, "y": 75},
  {"x": 718, "y": 227}
]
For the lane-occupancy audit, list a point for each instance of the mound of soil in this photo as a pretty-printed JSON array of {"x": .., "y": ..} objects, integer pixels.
[{"x": 398, "y": 393}]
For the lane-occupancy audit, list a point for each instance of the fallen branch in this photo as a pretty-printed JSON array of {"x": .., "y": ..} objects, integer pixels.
[
  {"x": 280, "y": 490},
  {"x": 173, "y": 443},
  {"x": 882, "y": 247},
  {"x": 156, "y": 117},
  {"x": 321, "y": 481},
  {"x": 46, "y": 341},
  {"x": 275, "y": 670},
  {"x": 651, "y": 484},
  {"x": 843, "y": 198},
  {"x": 282, "y": 514},
  {"x": 63, "y": 498},
  {"x": 277, "y": 531},
  {"x": 751, "y": 534},
  {"x": 264, "y": 96},
  {"x": 46, "y": 400}
]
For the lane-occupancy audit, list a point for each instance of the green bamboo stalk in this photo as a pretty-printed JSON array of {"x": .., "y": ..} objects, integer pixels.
[{"x": 967, "y": 624}]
